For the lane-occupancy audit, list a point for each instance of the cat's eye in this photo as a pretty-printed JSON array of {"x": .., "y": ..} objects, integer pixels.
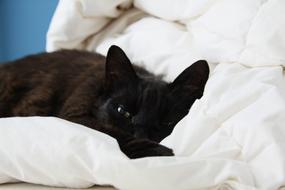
[{"x": 123, "y": 112}]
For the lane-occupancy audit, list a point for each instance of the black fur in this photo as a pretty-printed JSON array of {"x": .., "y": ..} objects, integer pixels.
[{"x": 106, "y": 94}]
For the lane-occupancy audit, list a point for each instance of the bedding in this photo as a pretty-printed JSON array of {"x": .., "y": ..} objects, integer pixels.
[
  {"x": 232, "y": 138},
  {"x": 25, "y": 186}
]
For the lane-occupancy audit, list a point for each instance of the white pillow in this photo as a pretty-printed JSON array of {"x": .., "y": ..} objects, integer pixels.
[{"x": 51, "y": 151}]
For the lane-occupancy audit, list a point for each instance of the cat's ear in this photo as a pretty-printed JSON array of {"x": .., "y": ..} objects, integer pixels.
[
  {"x": 189, "y": 85},
  {"x": 119, "y": 70}
]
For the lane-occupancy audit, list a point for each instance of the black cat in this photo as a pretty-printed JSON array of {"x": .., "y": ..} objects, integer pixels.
[{"x": 106, "y": 94}]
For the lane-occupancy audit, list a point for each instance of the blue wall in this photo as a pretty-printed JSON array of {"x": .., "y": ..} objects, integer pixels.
[{"x": 23, "y": 26}]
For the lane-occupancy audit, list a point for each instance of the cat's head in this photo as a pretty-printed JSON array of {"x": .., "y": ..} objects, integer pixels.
[{"x": 143, "y": 105}]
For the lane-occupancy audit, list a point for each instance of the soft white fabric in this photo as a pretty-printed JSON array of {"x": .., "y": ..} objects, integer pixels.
[
  {"x": 29, "y": 186},
  {"x": 233, "y": 138}
]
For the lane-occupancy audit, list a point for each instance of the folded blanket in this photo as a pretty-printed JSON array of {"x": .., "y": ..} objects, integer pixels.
[{"x": 233, "y": 137}]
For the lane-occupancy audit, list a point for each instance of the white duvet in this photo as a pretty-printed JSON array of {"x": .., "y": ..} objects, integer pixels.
[{"x": 233, "y": 137}]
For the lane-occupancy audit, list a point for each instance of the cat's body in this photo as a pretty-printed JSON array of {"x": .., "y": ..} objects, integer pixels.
[{"x": 136, "y": 108}]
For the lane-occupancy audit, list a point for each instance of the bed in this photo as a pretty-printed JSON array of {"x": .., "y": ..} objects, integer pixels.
[{"x": 232, "y": 138}]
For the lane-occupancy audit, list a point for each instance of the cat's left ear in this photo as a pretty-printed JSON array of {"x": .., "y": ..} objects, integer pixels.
[
  {"x": 119, "y": 70},
  {"x": 191, "y": 82}
]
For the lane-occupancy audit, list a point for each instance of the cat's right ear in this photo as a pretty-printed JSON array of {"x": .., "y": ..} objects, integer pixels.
[
  {"x": 189, "y": 85},
  {"x": 119, "y": 70}
]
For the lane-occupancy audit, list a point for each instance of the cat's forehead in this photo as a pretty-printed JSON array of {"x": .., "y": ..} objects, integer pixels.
[
  {"x": 153, "y": 95},
  {"x": 154, "y": 85},
  {"x": 146, "y": 95},
  {"x": 153, "y": 88}
]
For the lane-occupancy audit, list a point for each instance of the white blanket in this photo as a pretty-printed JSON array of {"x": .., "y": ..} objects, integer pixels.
[{"x": 233, "y": 137}]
